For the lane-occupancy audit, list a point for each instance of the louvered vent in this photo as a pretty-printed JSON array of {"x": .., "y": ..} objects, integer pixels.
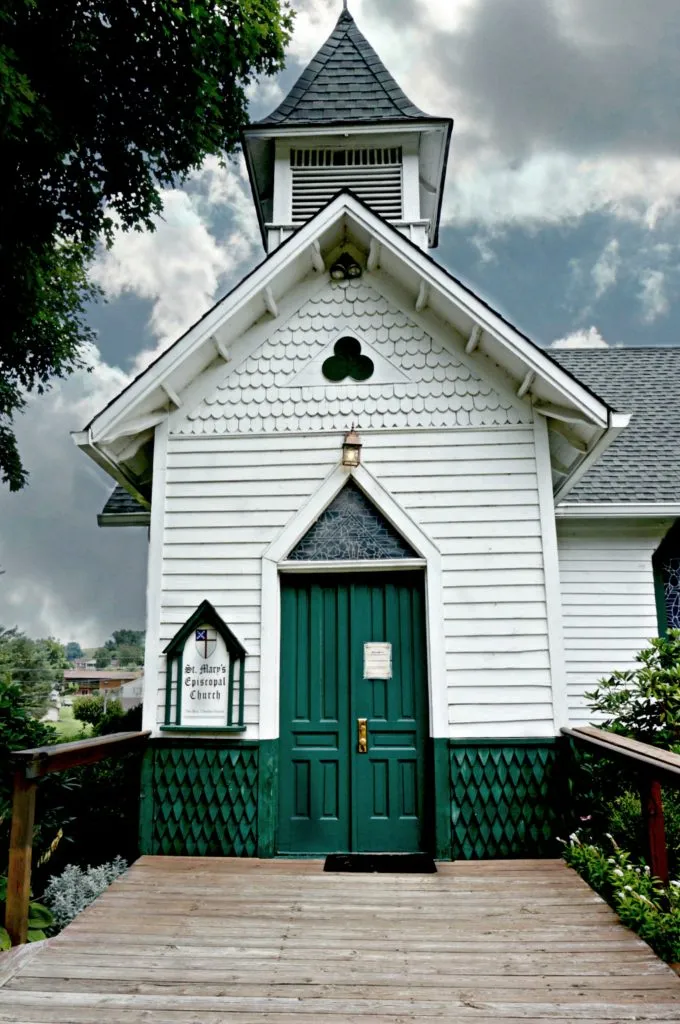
[{"x": 319, "y": 174}]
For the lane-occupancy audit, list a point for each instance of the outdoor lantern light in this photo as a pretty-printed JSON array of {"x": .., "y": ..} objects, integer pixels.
[{"x": 351, "y": 450}]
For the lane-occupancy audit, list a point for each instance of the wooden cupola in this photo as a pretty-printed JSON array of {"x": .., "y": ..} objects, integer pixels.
[{"x": 346, "y": 124}]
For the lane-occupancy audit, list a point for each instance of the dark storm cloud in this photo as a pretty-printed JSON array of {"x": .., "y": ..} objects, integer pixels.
[
  {"x": 575, "y": 75},
  {"x": 63, "y": 574}
]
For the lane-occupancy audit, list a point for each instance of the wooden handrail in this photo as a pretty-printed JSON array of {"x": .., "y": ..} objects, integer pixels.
[
  {"x": 29, "y": 767},
  {"x": 653, "y": 766}
]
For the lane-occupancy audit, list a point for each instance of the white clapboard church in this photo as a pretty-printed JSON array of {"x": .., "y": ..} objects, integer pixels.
[{"x": 392, "y": 541}]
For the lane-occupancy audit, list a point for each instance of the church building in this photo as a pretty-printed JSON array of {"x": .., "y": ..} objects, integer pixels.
[{"x": 392, "y": 541}]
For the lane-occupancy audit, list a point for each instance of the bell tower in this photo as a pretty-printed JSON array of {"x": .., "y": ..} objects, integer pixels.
[{"x": 346, "y": 124}]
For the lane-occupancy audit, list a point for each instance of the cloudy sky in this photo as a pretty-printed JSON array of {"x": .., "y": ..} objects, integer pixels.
[{"x": 562, "y": 209}]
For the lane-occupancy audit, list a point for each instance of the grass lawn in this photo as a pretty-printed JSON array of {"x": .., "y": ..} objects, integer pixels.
[{"x": 69, "y": 728}]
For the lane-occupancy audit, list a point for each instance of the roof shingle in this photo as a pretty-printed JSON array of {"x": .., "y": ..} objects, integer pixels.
[
  {"x": 346, "y": 81},
  {"x": 121, "y": 503},
  {"x": 643, "y": 464}
]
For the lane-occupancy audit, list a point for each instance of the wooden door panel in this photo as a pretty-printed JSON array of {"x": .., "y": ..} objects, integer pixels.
[
  {"x": 390, "y": 817},
  {"x": 333, "y": 799},
  {"x": 314, "y": 783}
]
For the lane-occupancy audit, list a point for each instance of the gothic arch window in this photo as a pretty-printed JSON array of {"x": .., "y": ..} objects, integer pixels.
[
  {"x": 667, "y": 576},
  {"x": 351, "y": 529}
]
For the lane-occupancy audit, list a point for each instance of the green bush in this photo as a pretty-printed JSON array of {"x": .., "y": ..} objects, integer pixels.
[
  {"x": 645, "y": 703},
  {"x": 85, "y": 816},
  {"x": 19, "y": 730},
  {"x": 40, "y": 918},
  {"x": 642, "y": 902}
]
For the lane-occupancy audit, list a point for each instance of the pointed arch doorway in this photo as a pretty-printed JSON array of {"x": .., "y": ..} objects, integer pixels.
[{"x": 353, "y": 686}]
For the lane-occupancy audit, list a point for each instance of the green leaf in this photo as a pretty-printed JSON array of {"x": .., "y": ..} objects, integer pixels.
[
  {"x": 5, "y": 941},
  {"x": 35, "y": 935},
  {"x": 39, "y": 916}
]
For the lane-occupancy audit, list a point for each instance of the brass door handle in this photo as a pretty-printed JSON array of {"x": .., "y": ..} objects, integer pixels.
[{"x": 362, "y": 734}]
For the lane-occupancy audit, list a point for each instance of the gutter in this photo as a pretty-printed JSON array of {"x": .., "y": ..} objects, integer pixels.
[
  {"x": 124, "y": 519},
  {"x": 619, "y": 510}
]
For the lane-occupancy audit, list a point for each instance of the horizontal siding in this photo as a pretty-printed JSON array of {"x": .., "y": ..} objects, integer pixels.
[
  {"x": 608, "y": 600},
  {"x": 473, "y": 492}
]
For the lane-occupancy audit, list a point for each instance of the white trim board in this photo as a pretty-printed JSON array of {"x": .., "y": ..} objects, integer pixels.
[
  {"x": 154, "y": 581},
  {"x": 619, "y": 510},
  {"x": 551, "y": 571},
  {"x": 274, "y": 561}
]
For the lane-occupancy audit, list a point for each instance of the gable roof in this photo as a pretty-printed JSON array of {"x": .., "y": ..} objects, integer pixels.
[
  {"x": 345, "y": 82},
  {"x": 120, "y": 438},
  {"x": 122, "y": 509},
  {"x": 643, "y": 464}
]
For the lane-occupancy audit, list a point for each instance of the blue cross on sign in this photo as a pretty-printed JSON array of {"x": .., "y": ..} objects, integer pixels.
[{"x": 206, "y": 641}]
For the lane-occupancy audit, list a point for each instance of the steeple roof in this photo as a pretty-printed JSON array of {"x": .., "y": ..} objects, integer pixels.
[{"x": 346, "y": 82}]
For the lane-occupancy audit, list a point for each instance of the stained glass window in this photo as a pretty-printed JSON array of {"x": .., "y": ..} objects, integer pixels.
[
  {"x": 348, "y": 362},
  {"x": 671, "y": 588},
  {"x": 351, "y": 529}
]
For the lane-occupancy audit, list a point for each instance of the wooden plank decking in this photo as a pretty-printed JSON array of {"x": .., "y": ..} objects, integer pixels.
[{"x": 187, "y": 941}]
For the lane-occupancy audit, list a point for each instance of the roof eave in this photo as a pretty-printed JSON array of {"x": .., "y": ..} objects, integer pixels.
[
  {"x": 254, "y": 187},
  {"x": 443, "y": 171},
  {"x": 617, "y": 423},
  {"x": 83, "y": 440},
  {"x": 269, "y": 129}
]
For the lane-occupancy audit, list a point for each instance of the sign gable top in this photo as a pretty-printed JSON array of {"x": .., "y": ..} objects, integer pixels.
[{"x": 204, "y": 615}]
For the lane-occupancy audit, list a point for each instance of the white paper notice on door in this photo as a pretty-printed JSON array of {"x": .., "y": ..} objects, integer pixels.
[{"x": 377, "y": 661}]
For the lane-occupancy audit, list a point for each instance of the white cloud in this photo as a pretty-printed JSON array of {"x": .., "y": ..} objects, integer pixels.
[
  {"x": 590, "y": 338},
  {"x": 557, "y": 188},
  {"x": 653, "y": 295},
  {"x": 605, "y": 270},
  {"x": 183, "y": 263}
]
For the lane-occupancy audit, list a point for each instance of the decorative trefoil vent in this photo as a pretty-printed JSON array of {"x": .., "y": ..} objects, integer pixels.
[{"x": 374, "y": 174}]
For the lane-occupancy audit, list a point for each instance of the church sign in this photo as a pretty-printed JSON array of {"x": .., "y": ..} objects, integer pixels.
[{"x": 205, "y": 678}]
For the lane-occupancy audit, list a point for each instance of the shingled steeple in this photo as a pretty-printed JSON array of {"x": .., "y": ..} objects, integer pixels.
[
  {"x": 346, "y": 82},
  {"x": 347, "y": 124}
]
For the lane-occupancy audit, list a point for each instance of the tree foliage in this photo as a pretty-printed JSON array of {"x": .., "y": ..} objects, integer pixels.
[
  {"x": 35, "y": 666},
  {"x": 95, "y": 709},
  {"x": 645, "y": 703},
  {"x": 73, "y": 650},
  {"x": 102, "y": 104}
]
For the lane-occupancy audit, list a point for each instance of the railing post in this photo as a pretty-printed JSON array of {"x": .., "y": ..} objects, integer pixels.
[
  {"x": 20, "y": 850},
  {"x": 652, "y": 816}
]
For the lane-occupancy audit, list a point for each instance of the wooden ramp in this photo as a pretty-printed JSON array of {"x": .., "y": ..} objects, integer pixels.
[{"x": 201, "y": 941}]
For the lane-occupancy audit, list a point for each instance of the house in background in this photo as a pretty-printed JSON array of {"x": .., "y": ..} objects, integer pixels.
[
  {"x": 392, "y": 541},
  {"x": 99, "y": 681}
]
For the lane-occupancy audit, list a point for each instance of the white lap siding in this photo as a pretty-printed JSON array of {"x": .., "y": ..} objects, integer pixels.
[
  {"x": 473, "y": 491},
  {"x": 608, "y": 599}
]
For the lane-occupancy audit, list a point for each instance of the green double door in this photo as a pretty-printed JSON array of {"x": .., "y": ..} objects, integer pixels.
[{"x": 352, "y": 748}]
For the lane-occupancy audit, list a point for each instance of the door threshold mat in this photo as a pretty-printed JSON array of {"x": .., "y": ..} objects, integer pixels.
[{"x": 382, "y": 863}]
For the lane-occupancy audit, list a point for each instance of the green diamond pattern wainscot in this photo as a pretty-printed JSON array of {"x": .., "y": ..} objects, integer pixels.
[
  {"x": 503, "y": 800},
  {"x": 205, "y": 801}
]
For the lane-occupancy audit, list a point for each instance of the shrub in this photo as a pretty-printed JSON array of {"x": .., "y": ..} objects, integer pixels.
[
  {"x": 642, "y": 902},
  {"x": 39, "y": 919},
  {"x": 75, "y": 888},
  {"x": 19, "y": 730},
  {"x": 645, "y": 703}
]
